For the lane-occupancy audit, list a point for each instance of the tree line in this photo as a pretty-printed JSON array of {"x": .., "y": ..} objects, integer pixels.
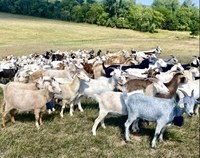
[{"x": 162, "y": 14}]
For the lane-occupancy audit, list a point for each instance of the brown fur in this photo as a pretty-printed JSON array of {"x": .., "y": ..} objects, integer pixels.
[{"x": 172, "y": 86}]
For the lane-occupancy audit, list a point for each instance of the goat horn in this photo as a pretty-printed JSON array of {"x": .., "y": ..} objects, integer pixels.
[
  {"x": 194, "y": 56},
  {"x": 185, "y": 94}
]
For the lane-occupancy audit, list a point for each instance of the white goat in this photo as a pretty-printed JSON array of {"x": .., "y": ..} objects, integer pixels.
[{"x": 112, "y": 102}]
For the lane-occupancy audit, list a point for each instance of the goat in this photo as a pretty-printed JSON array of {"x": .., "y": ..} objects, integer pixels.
[
  {"x": 172, "y": 60},
  {"x": 168, "y": 75},
  {"x": 142, "y": 84},
  {"x": 155, "y": 109},
  {"x": 70, "y": 92},
  {"x": 112, "y": 102},
  {"x": 27, "y": 100},
  {"x": 187, "y": 88},
  {"x": 172, "y": 85},
  {"x": 144, "y": 64}
]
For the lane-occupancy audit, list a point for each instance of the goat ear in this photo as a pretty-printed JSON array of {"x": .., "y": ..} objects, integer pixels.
[{"x": 192, "y": 93}]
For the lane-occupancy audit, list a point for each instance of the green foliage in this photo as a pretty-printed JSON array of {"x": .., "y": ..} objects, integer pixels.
[
  {"x": 163, "y": 14},
  {"x": 94, "y": 13},
  {"x": 145, "y": 19}
]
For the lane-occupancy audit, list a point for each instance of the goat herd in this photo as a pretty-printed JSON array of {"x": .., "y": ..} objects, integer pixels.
[{"x": 135, "y": 83}]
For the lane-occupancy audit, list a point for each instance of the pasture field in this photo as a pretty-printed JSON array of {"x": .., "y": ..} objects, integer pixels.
[
  {"x": 71, "y": 136},
  {"x": 20, "y": 35}
]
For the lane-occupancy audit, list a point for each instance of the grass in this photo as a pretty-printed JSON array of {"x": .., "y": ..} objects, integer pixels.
[
  {"x": 71, "y": 136},
  {"x": 24, "y": 35}
]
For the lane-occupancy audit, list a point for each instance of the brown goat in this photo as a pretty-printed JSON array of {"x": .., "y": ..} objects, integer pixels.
[
  {"x": 89, "y": 69},
  {"x": 35, "y": 75},
  {"x": 173, "y": 85}
]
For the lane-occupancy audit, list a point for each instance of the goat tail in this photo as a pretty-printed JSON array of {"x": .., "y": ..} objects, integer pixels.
[
  {"x": 3, "y": 86},
  {"x": 2, "y": 106}
]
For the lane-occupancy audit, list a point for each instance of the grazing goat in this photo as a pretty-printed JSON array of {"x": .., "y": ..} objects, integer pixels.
[{"x": 162, "y": 111}]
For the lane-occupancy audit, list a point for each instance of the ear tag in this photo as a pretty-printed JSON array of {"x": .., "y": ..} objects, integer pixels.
[{"x": 182, "y": 106}]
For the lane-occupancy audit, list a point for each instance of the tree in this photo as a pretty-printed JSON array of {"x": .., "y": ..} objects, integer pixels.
[
  {"x": 93, "y": 14},
  {"x": 183, "y": 16},
  {"x": 188, "y": 3},
  {"x": 195, "y": 21}
]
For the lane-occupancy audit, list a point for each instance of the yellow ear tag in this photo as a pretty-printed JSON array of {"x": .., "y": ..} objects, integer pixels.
[{"x": 182, "y": 106}]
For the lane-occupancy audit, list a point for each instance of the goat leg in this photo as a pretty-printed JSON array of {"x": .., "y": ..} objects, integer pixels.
[
  {"x": 12, "y": 115},
  {"x": 36, "y": 111},
  {"x": 157, "y": 133}
]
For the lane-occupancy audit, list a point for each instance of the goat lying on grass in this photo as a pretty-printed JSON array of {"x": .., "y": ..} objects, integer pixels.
[{"x": 162, "y": 111}]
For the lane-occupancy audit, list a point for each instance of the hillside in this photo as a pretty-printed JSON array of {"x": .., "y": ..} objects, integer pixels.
[{"x": 24, "y": 35}]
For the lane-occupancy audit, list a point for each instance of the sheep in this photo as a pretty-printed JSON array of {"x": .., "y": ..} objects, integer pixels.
[
  {"x": 27, "y": 100},
  {"x": 112, "y": 102},
  {"x": 155, "y": 109}
]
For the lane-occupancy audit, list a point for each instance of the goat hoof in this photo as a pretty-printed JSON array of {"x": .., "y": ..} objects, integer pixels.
[
  {"x": 153, "y": 146},
  {"x": 128, "y": 141},
  {"x": 94, "y": 133}
]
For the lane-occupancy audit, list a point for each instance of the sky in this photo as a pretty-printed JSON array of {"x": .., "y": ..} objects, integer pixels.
[{"x": 149, "y": 2}]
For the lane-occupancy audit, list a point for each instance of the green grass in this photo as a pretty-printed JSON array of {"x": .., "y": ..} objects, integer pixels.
[{"x": 71, "y": 136}]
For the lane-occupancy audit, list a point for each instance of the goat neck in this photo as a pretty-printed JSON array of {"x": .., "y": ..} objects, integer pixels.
[
  {"x": 48, "y": 95},
  {"x": 172, "y": 86},
  {"x": 75, "y": 83}
]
